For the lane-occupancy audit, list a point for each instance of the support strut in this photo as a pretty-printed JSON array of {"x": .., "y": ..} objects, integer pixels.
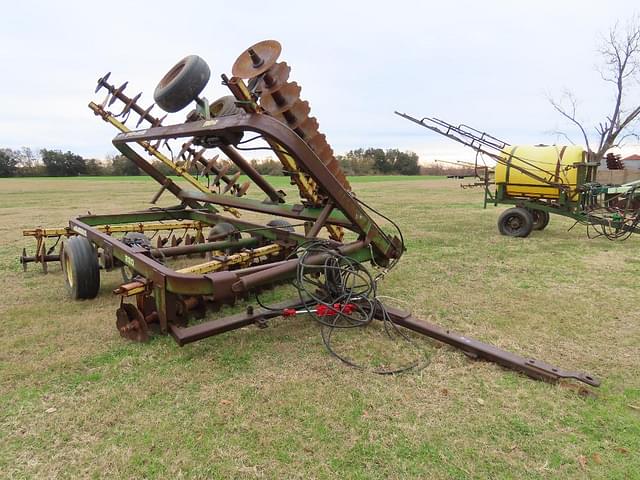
[{"x": 477, "y": 349}]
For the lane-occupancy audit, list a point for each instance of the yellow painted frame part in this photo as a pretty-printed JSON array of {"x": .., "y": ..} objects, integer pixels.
[
  {"x": 109, "y": 229},
  {"x": 235, "y": 259}
]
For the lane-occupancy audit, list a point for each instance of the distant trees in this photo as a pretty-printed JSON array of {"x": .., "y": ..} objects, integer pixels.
[
  {"x": 122, "y": 166},
  {"x": 268, "y": 166},
  {"x": 378, "y": 161},
  {"x": 439, "y": 170},
  {"x": 25, "y": 162},
  {"x": 8, "y": 163},
  {"x": 58, "y": 164}
]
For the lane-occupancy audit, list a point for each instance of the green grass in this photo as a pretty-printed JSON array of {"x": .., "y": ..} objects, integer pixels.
[
  {"x": 277, "y": 180},
  {"x": 79, "y": 401}
]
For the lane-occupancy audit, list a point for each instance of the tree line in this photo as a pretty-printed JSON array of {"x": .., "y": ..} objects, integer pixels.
[{"x": 25, "y": 162}]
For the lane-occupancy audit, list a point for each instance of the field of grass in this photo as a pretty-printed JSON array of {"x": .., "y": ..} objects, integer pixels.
[{"x": 79, "y": 401}]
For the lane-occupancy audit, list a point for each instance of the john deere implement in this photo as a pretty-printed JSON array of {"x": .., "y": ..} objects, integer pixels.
[
  {"x": 224, "y": 258},
  {"x": 539, "y": 180}
]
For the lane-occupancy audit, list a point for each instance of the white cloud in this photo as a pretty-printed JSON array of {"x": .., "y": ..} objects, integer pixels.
[{"x": 487, "y": 64}]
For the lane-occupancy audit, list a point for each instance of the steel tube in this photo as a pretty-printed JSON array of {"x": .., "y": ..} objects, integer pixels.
[
  {"x": 203, "y": 247},
  {"x": 322, "y": 218},
  {"x": 38, "y": 258},
  {"x": 475, "y": 348},
  {"x": 215, "y": 327},
  {"x": 288, "y": 268}
]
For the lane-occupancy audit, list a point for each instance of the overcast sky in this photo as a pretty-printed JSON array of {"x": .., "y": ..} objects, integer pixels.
[{"x": 489, "y": 64}]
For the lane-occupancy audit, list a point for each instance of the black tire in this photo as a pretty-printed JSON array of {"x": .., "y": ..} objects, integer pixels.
[
  {"x": 224, "y": 106},
  {"x": 515, "y": 222},
  {"x": 540, "y": 219},
  {"x": 182, "y": 84},
  {"x": 81, "y": 268},
  {"x": 281, "y": 224}
]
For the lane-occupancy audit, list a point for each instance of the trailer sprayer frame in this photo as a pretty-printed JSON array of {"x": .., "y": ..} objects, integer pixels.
[{"x": 612, "y": 210}]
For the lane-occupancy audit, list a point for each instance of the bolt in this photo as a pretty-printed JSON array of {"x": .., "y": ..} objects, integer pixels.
[{"x": 255, "y": 58}]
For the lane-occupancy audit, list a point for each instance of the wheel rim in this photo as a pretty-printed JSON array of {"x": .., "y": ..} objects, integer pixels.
[
  {"x": 173, "y": 73},
  {"x": 67, "y": 269},
  {"x": 513, "y": 223}
]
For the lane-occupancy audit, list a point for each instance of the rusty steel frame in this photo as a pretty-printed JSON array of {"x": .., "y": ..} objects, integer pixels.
[
  {"x": 274, "y": 130},
  {"x": 167, "y": 285}
]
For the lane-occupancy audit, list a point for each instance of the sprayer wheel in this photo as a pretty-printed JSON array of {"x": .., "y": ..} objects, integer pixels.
[
  {"x": 515, "y": 222},
  {"x": 540, "y": 219}
]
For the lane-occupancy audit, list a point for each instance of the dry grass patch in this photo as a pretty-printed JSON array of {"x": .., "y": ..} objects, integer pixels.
[{"x": 78, "y": 401}]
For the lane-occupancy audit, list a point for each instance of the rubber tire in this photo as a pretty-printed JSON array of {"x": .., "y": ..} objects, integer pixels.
[
  {"x": 81, "y": 268},
  {"x": 540, "y": 219},
  {"x": 182, "y": 84},
  {"x": 224, "y": 106},
  {"x": 281, "y": 224},
  {"x": 515, "y": 222}
]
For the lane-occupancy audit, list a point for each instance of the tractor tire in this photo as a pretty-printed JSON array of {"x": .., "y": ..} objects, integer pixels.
[
  {"x": 515, "y": 222},
  {"x": 224, "y": 106},
  {"x": 540, "y": 219},
  {"x": 281, "y": 224},
  {"x": 81, "y": 268},
  {"x": 182, "y": 84}
]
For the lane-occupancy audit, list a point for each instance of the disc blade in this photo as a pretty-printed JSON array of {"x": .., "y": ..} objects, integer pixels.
[
  {"x": 256, "y": 59},
  {"x": 296, "y": 115},
  {"x": 274, "y": 78},
  {"x": 281, "y": 100}
]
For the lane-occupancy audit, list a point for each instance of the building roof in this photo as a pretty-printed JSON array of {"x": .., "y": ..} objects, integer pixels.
[{"x": 633, "y": 157}]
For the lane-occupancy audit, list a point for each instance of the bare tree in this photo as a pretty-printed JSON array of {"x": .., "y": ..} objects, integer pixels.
[{"x": 620, "y": 52}]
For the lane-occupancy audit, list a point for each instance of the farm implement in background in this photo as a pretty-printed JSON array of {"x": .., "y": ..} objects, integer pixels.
[
  {"x": 241, "y": 257},
  {"x": 544, "y": 179}
]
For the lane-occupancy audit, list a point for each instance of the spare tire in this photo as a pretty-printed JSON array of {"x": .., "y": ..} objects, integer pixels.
[
  {"x": 281, "y": 224},
  {"x": 224, "y": 106},
  {"x": 182, "y": 84}
]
